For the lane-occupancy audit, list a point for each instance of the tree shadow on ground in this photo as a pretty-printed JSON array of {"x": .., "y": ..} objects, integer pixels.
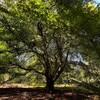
[{"x": 41, "y": 94}]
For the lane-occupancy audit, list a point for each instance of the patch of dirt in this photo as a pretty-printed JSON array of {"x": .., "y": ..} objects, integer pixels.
[{"x": 40, "y": 94}]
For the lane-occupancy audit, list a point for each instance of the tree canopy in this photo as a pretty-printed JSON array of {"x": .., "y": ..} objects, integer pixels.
[{"x": 49, "y": 37}]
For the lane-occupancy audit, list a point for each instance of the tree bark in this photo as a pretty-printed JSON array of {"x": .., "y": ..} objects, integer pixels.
[{"x": 49, "y": 85}]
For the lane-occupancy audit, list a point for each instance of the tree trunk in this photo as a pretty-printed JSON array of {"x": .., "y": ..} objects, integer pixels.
[{"x": 49, "y": 85}]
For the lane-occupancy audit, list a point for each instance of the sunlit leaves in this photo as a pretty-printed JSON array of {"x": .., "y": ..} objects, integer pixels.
[
  {"x": 91, "y": 7},
  {"x": 73, "y": 26},
  {"x": 3, "y": 45}
]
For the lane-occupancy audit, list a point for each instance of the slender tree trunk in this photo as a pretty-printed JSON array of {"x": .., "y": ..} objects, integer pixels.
[{"x": 49, "y": 85}]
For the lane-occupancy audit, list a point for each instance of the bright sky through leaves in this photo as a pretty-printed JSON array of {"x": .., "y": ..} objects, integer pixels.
[{"x": 97, "y": 1}]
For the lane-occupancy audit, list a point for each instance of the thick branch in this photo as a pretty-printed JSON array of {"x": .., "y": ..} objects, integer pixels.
[
  {"x": 27, "y": 69},
  {"x": 61, "y": 67},
  {"x": 59, "y": 48},
  {"x": 45, "y": 55}
]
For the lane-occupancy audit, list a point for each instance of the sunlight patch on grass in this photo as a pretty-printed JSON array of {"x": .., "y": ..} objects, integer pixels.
[{"x": 16, "y": 85}]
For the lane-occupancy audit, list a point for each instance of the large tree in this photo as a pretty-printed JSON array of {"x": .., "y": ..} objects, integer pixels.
[{"x": 41, "y": 36}]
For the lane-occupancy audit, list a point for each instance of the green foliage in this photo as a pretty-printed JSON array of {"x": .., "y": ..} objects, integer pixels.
[{"x": 35, "y": 34}]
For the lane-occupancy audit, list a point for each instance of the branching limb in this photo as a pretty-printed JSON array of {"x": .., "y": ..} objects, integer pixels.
[
  {"x": 27, "y": 69},
  {"x": 61, "y": 67},
  {"x": 45, "y": 55}
]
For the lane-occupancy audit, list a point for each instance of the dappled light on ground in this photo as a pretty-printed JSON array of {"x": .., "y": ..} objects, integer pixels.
[{"x": 40, "y": 94}]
